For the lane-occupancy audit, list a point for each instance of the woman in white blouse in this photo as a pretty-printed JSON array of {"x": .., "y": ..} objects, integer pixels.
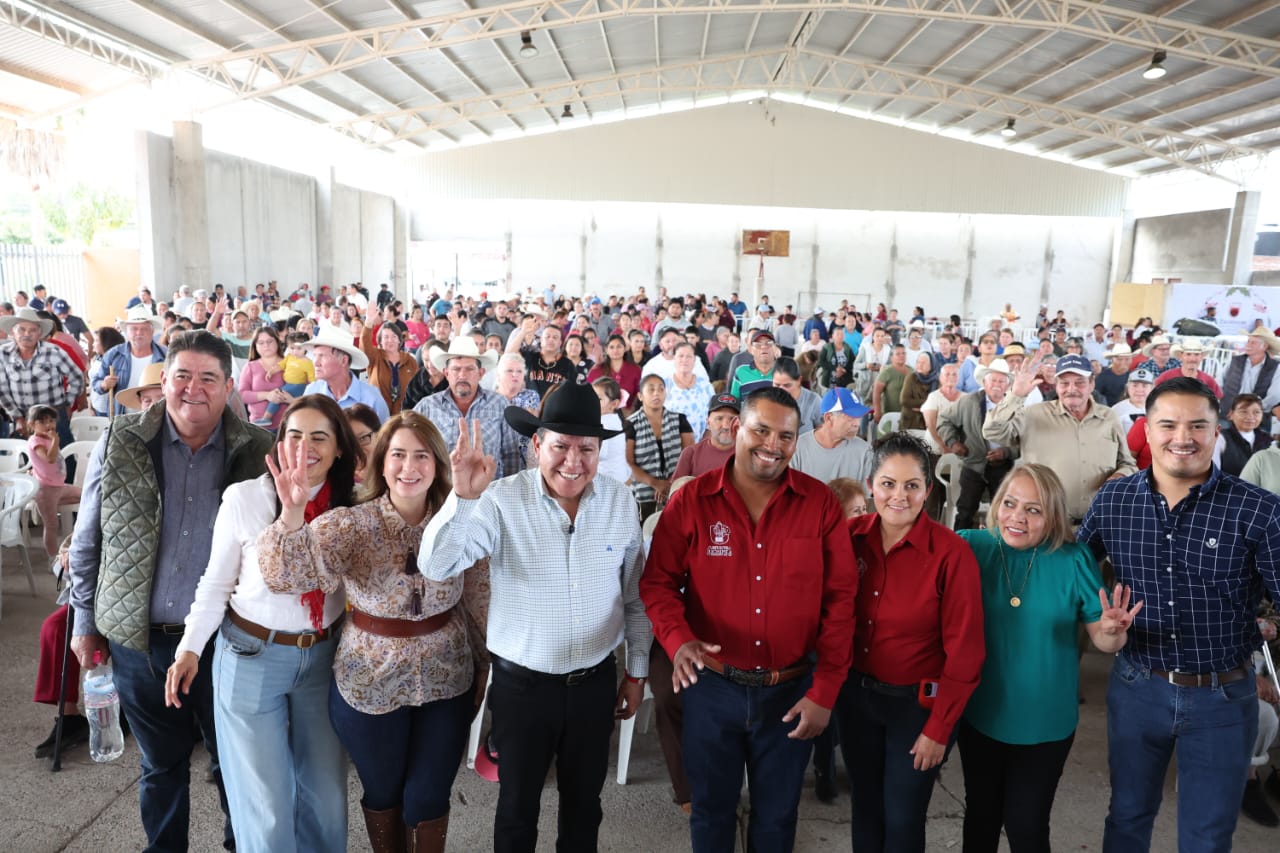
[
  {"x": 411, "y": 663},
  {"x": 282, "y": 765}
]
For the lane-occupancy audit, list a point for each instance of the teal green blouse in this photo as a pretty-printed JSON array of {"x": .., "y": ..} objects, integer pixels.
[{"x": 1029, "y": 691}]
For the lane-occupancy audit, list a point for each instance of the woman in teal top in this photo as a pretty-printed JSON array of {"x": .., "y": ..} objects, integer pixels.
[{"x": 1037, "y": 586}]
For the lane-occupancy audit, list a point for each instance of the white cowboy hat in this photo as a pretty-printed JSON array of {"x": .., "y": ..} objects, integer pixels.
[
  {"x": 1267, "y": 336},
  {"x": 1187, "y": 345},
  {"x": 1119, "y": 350},
  {"x": 1157, "y": 341},
  {"x": 998, "y": 365},
  {"x": 333, "y": 337},
  {"x": 463, "y": 347},
  {"x": 283, "y": 314},
  {"x": 141, "y": 314},
  {"x": 26, "y": 315}
]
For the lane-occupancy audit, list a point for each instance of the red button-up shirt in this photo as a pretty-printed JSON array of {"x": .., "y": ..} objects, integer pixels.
[
  {"x": 919, "y": 614},
  {"x": 767, "y": 593}
]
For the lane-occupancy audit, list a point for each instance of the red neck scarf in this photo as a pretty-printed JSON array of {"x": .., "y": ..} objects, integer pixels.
[{"x": 314, "y": 600}]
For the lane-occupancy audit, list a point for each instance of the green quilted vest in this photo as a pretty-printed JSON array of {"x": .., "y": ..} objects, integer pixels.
[{"x": 132, "y": 511}]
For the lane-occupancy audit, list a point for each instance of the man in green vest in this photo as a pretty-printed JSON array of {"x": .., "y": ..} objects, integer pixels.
[{"x": 141, "y": 543}]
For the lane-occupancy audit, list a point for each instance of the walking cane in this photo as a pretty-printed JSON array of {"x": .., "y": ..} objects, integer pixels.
[
  {"x": 111, "y": 396},
  {"x": 62, "y": 687}
]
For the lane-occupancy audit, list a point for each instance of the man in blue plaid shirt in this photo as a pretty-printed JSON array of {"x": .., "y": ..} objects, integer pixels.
[{"x": 1197, "y": 546}]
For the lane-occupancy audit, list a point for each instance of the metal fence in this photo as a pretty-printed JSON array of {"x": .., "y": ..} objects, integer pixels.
[{"x": 23, "y": 266}]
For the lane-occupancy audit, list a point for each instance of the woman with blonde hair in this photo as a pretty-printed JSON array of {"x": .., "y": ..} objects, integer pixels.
[
  {"x": 411, "y": 664},
  {"x": 1038, "y": 585}
]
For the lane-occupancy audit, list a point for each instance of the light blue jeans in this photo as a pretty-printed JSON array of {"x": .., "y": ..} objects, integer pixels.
[
  {"x": 284, "y": 769},
  {"x": 1210, "y": 728}
]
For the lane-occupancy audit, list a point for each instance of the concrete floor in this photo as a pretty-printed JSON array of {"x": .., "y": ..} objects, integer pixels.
[{"x": 91, "y": 807}]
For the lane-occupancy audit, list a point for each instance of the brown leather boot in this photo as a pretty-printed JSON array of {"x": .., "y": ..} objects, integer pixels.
[
  {"x": 428, "y": 836},
  {"x": 386, "y": 830}
]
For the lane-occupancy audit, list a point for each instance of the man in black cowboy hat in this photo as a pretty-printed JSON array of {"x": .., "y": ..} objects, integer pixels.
[{"x": 565, "y": 568}]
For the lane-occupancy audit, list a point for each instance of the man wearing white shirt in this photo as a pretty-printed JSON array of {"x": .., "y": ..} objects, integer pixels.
[
  {"x": 565, "y": 573},
  {"x": 664, "y": 363}
]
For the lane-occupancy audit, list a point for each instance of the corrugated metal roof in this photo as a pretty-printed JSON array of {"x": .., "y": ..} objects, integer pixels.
[{"x": 1061, "y": 82}]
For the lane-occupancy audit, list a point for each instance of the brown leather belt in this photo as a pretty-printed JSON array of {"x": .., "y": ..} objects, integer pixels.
[
  {"x": 385, "y": 627},
  {"x": 303, "y": 640},
  {"x": 1200, "y": 679},
  {"x": 756, "y": 677}
]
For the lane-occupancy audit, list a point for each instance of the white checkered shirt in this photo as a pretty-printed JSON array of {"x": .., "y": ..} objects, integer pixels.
[{"x": 563, "y": 595}]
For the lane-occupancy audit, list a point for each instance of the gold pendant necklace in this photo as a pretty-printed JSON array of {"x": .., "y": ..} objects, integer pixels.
[{"x": 1015, "y": 598}]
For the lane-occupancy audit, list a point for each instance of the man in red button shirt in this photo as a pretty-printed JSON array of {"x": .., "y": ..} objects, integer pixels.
[{"x": 750, "y": 586}]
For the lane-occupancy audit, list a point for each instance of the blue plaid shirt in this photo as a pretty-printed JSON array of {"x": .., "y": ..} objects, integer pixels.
[{"x": 1198, "y": 568}]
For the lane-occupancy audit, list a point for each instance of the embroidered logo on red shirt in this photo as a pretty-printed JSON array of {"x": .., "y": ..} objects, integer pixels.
[{"x": 719, "y": 546}]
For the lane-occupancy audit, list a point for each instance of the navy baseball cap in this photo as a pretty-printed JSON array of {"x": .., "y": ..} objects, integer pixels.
[
  {"x": 1074, "y": 364},
  {"x": 61, "y": 306},
  {"x": 724, "y": 401}
]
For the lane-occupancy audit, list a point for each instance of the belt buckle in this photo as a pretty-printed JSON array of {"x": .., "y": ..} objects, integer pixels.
[
  {"x": 576, "y": 677},
  {"x": 752, "y": 678},
  {"x": 306, "y": 641}
]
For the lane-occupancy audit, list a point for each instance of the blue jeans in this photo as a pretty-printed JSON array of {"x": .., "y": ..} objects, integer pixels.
[
  {"x": 285, "y": 771},
  {"x": 293, "y": 389},
  {"x": 166, "y": 737},
  {"x": 726, "y": 726},
  {"x": 890, "y": 798},
  {"x": 1211, "y": 729},
  {"x": 408, "y": 758}
]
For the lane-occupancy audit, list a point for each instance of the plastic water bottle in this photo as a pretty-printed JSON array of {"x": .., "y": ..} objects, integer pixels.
[{"x": 102, "y": 708}]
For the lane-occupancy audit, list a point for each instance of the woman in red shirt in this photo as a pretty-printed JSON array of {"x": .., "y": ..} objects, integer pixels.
[{"x": 917, "y": 652}]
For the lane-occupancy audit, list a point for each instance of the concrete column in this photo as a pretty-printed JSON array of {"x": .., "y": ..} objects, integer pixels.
[
  {"x": 191, "y": 208},
  {"x": 324, "y": 230},
  {"x": 1240, "y": 241},
  {"x": 400, "y": 251}
]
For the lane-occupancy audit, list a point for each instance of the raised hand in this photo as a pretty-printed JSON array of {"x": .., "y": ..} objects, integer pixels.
[
  {"x": 1117, "y": 616},
  {"x": 472, "y": 470},
  {"x": 290, "y": 475},
  {"x": 1025, "y": 379}
]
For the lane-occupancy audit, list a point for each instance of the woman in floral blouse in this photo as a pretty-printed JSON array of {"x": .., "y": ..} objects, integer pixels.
[{"x": 411, "y": 665}]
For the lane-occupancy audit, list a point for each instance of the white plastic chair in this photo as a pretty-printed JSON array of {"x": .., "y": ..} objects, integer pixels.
[
  {"x": 88, "y": 428},
  {"x": 642, "y": 717},
  {"x": 80, "y": 451},
  {"x": 16, "y": 493},
  {"x": 891, "y": 422},
  {"x": 13, "y": 456},
  {"x": 477, "y": 726},
  {"x": 948, "y": 476}
]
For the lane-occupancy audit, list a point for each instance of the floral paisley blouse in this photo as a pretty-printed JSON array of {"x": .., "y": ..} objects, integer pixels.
[{"x": 366, "y": 549}]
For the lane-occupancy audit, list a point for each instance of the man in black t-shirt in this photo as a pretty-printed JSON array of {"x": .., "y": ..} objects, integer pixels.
[{"x": 548, "y": 367}]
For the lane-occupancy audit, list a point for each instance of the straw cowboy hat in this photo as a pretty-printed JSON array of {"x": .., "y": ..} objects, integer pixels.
[
  {"x": 998, "y": 365},
  {"x": 131, "y": 398},
  {"x": 1268, "y": 337},
  {"x": 463, "y": 347},
  {"x": 26, "y": 315},
  {"x": 1119, "y": 350},
  {"x": 569, "y": 409},
  {"x": 1157, "y": 341},
  {"x": 141, "y": 314},
  {"x": 333, "y": 337},
  {"x": 1192, "y": 345}
]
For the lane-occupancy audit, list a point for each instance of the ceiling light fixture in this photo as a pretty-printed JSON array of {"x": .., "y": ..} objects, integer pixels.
[
  {"x": 527, "y": 48},
  {"x": 568, "y": 112},
  {"x": 1156, "y": 69},
  {"x": 1008, "y": 131}
]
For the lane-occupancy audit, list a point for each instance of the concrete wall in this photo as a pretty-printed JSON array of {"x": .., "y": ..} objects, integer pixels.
[
  {"x": 733, "y": 154},
  {"x": 263, "y": 223},
  {"x": 1190, "y": 246},
  {"x": 969, "y": 264}
]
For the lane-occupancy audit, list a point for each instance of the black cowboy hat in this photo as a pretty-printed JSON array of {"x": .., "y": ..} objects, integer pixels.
[{"x": 569, "y": 409}]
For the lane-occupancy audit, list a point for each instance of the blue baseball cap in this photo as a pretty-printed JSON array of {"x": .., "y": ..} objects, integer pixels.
[
  {"x": 1074, "y": 364},
  {"x": 61, "y": 306},
  {"x": 844, "y": 401}
]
